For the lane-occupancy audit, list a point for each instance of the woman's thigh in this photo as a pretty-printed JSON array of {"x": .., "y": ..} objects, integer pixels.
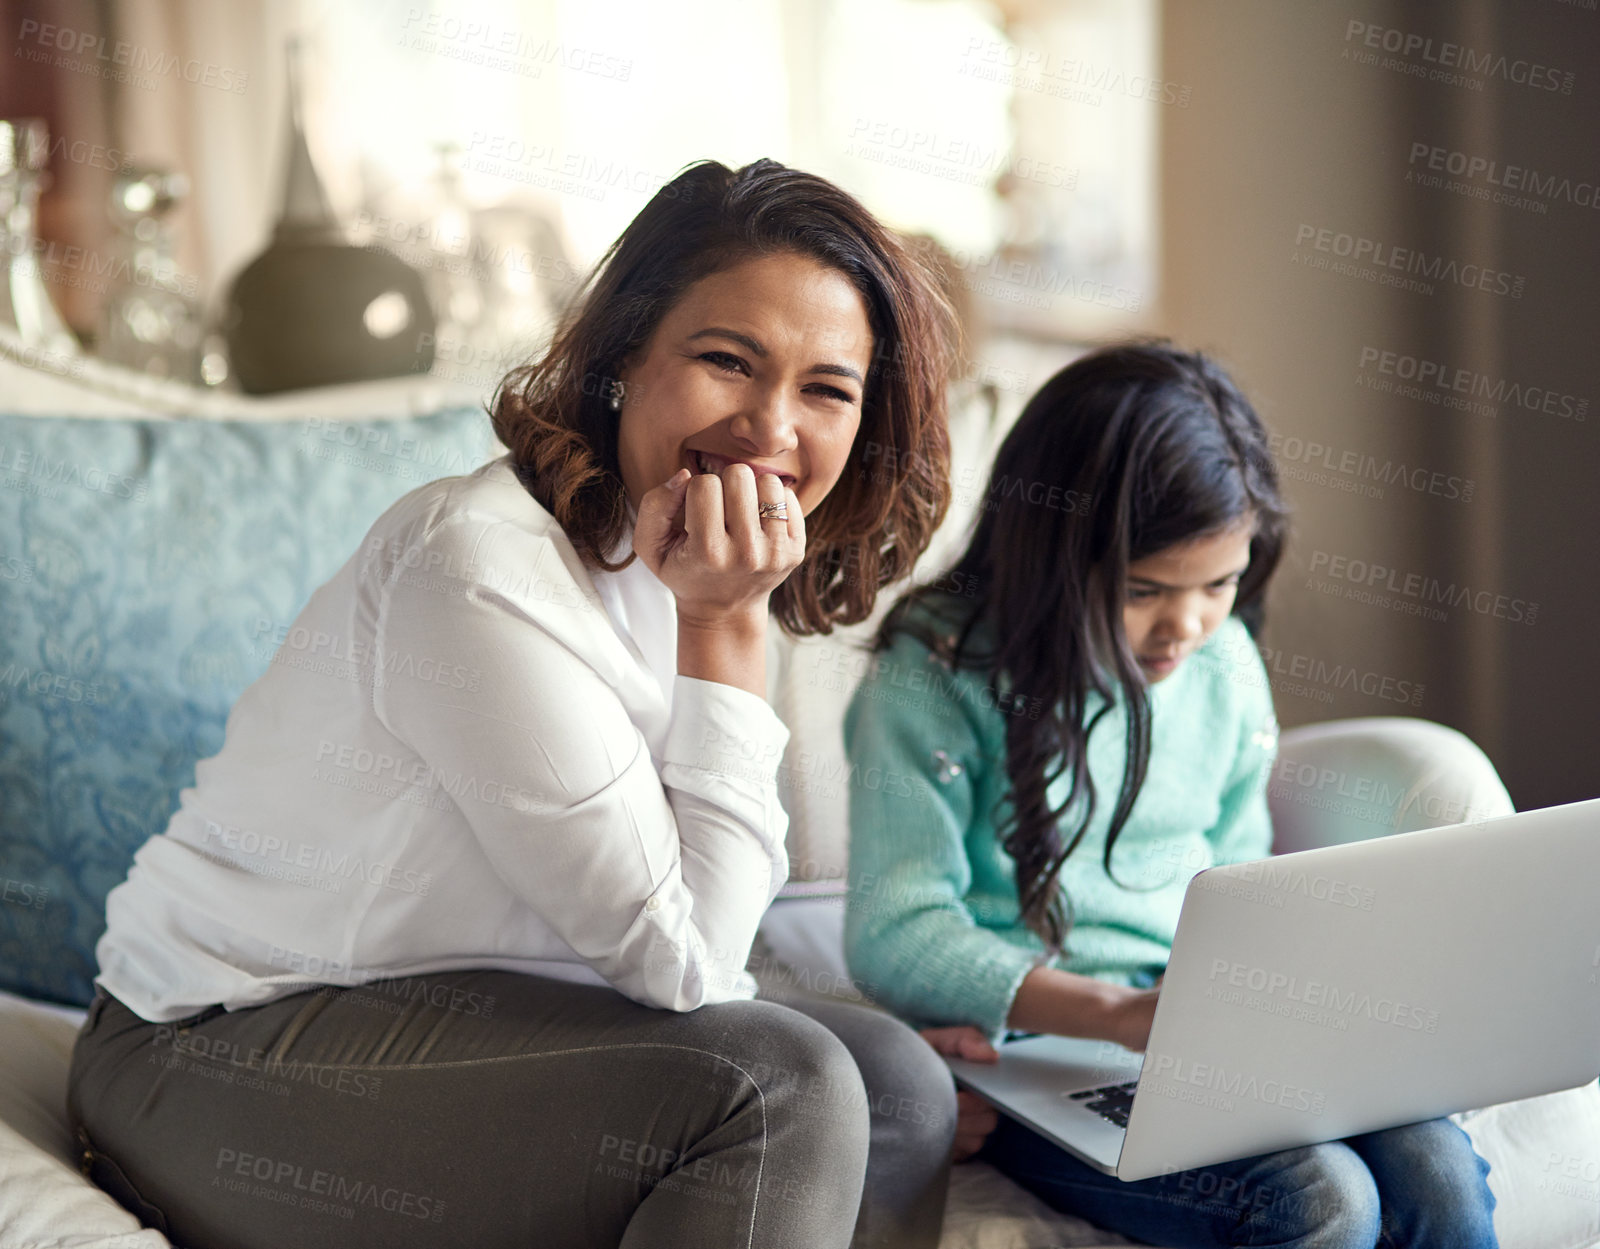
[{"x": 476, "y": 1108}]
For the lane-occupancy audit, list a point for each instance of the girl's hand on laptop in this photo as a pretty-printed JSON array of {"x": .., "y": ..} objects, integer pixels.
[
  {"x": 1132, "y": 1016},
  {"x": 975, "y": 1118},
  {"x": 963, "y": 1041}
]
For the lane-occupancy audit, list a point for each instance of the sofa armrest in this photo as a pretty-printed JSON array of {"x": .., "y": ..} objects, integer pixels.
[{"x": 1348, "y": 780}]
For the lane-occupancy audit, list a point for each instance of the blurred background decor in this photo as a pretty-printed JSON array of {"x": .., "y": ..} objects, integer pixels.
[
  {"x": 152, "y": 320},
  {"x": 1393, "y": 254},
  {"x": 26, "y": 306},
  {"x": 314, "y": 309}
]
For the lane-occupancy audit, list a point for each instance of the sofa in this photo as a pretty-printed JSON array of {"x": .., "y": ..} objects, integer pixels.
[{"x": 155, "y": 543}]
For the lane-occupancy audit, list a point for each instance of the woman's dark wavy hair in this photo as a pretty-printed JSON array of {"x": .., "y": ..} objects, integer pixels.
[
  {"x": 1149, "y": 447},
  {"x": 553, "y": 417}
]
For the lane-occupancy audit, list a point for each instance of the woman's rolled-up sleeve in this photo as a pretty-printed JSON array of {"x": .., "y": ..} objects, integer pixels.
[{"x": 656, "y": 875}]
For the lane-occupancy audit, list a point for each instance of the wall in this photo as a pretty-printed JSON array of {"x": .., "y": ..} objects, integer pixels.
[{"x": 1482, "y": 504}]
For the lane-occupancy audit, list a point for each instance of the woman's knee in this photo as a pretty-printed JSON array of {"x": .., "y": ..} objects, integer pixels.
[{"x": 799, "y": 1066}]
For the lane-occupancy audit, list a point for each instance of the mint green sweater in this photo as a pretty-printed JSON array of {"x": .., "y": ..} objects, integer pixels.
[{"x": 932, "y": 926}]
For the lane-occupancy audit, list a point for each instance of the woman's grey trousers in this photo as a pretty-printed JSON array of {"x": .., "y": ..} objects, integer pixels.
[{"x": 493, "y": 1110}]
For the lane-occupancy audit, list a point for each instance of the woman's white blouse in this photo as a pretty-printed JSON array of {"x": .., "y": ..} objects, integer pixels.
[{"x": 468, "y": 751}]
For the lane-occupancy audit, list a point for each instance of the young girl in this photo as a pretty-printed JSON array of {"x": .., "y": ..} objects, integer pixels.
[{"x": 1090, "y": 727}]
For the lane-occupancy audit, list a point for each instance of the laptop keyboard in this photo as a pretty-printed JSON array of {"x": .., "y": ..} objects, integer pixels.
[{"x": 1113, "y": 1103}]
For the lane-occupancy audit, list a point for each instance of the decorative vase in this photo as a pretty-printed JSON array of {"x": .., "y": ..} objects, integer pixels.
[
  {"x": 313, "y": 309},
  {"x": 153, "y": 321},
  {"x": 25, "y": 304}
]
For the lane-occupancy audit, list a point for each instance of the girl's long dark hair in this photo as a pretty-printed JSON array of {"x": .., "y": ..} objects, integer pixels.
[{"x": 1128, "y": 451}]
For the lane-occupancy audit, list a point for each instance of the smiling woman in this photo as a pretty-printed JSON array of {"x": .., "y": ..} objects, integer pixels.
[
  {"x": 536, "y": 971},
  {"x": 713, "y": 396},
  {"x": 807, "y": 323},
  {"x": 753, "y": 427}
]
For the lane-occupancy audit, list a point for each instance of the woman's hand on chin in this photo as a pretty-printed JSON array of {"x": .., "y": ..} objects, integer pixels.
[{"x": 703, "y": 537}]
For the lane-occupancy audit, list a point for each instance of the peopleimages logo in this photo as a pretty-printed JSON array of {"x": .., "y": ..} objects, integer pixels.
[
  {"x": 1069, "y": 78},
  {"x": 1448, "y": 62},
  {"x": 42, "y": 683},
  {"x": 94, "y": 155},
  {"x": 1321, "y": 996},
  {"x": 123, "y": 61},
  {"x": 294, "y": 1183},
  {"x": 31, "y": 896},
  {"x": 1404, "y": 267},
  {"x": 492, "y": 46},
  {"x": 1439, "y": 381},
  {"x": 1319, "y": 672},
  {"x": 1501, "y": 183},
  {"x": 1276, "y": 879},
  {"x": 40, "y": 467},
  {"x": 1420, "y": 589},
  {"x": 1361, "y": 473},
  {"x": 955, "y": 158},
  {"x": 1167, "y": 1075},
  {"x": 302, "y": 862}
]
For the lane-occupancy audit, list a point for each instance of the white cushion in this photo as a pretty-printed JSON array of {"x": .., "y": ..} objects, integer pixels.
[
  {"x": 1348, "y": 780},
  {"x": 44, "y": 1202},
  {"x": 987, "y": 1211},
  {"x": 1544, "y": 1160}
]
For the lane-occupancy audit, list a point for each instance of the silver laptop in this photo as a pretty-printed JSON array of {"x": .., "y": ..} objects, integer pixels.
[{"x": 1319, "y": 995}]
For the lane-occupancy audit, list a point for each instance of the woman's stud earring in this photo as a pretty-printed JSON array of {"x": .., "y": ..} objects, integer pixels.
[{"x": 616, "y": 390}]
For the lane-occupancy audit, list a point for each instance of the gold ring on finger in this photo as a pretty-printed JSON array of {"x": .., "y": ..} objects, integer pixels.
[{"x": 774, "y": 511}]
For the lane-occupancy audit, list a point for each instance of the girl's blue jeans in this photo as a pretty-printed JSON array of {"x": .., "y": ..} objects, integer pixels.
[{"x": 1421, "y": 1186}]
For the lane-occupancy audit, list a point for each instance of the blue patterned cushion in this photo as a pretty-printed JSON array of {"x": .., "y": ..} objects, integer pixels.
[{"x": 144, "y": 567}]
